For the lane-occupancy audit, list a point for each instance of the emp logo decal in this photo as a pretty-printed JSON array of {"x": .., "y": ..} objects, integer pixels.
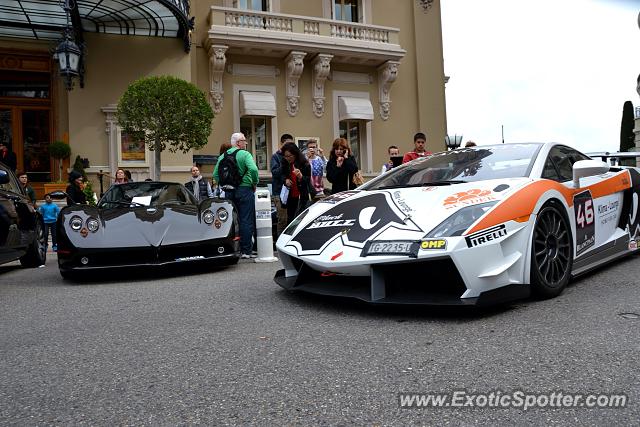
[{"x": 486, "y": 236}]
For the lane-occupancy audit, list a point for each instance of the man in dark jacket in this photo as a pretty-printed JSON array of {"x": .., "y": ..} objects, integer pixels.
[
  {"x": 199, "y": 186},
  {"x": 24, "y": 182}
]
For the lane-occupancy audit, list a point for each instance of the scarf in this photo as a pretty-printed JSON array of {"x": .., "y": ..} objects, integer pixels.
[{"x": 196, "y": 186}]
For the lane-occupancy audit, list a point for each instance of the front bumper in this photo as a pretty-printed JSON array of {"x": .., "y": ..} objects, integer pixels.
[
  {"x": 428, "y": 282},
  {"x": 222, "y": 251}
]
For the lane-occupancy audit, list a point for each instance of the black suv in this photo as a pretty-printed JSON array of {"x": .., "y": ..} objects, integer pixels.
[{"x": 21, "y": 226}]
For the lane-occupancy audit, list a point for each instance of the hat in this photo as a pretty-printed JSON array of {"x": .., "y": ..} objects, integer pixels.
[{"x": 73, "y": 175}]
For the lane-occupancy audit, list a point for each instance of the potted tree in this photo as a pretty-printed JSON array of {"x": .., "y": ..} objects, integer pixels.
[{"x": 59, "y": 150}]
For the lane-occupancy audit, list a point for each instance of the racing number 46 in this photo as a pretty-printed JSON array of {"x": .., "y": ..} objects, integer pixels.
[{"x": 585, "y": 217}]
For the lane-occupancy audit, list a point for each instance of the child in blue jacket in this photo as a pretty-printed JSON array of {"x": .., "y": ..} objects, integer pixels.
[{"x": 49, "y": 212}]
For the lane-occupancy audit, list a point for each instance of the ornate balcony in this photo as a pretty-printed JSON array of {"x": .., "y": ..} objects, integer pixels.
[{"x": 276, "y": 35}]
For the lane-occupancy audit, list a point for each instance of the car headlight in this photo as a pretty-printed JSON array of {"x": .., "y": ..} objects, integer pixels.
[
  {"x": 93, "y": 225},
  {"x": 208, "y": 217},
  {"x": 457, "y": 223},
  {"x": 75, "y": 223},
  {"x": 223, "y": 214},
  {"x": 294, "y": 224}
]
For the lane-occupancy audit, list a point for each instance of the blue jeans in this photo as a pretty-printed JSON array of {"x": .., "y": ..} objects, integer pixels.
[{"x": 244, "y": 199}]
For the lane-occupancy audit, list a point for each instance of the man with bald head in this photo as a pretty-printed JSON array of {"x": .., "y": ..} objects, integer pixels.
[{"x": 242, "y": 195}]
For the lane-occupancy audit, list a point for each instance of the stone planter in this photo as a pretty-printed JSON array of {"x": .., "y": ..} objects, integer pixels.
[{"x": 54, "y": 186}]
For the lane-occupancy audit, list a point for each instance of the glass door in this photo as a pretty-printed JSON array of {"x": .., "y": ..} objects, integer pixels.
[
  {"x": 6, "y": 127},
  {"x": 36, "y": 135}
]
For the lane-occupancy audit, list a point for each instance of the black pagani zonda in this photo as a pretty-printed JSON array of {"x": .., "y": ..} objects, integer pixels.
[{"x": 146, "y": 224}]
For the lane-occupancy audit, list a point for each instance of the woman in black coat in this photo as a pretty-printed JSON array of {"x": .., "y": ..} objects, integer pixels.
[
  {"x": 341, "y": 167},
  {"x": 296, "y": 175},
  {"x": 74, "y": 189}
]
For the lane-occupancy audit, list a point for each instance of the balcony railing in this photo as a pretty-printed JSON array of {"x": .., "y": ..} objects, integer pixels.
[{"x": 236, "y": 18}]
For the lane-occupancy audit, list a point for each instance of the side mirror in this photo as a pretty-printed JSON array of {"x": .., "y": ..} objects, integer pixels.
[
  {"x": 4, "y": 177},
  {"x": 57, "y": 195},
  {"x": 584, "y": 168}
]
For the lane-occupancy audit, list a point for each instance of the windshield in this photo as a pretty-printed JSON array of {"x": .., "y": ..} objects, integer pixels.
[
  {"x": 145, "y": 194},
  {"x": 461, "y": 165}
]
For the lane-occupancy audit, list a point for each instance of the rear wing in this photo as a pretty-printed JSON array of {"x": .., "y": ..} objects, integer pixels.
[{"x": 614, "y": 158}]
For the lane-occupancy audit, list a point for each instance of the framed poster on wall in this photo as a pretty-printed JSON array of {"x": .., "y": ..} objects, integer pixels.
[{"x": 132, "y": 150}]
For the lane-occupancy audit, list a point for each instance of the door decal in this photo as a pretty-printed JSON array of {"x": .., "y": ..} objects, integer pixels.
[{"x": 585, "y": 221}]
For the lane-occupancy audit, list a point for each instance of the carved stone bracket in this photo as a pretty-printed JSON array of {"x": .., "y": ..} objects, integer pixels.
[
  {"x": 217, "y": 59},
  {"x": 426, "y": 4},
  {"x": 295, "y": 65},
  {"x": 321, "y": 69},
  {"x": 387, "y": 74}
]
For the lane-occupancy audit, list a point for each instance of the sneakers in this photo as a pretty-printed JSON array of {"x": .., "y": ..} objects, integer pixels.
[{"x": 247, "y": 256}]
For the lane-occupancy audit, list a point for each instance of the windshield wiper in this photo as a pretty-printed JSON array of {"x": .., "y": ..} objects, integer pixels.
[
  {"x": 124, "y": 203},
  {"x": 422, "y": 184},
  {"x": 174, "y": 202},
  {"x": 445, "y": 182}
]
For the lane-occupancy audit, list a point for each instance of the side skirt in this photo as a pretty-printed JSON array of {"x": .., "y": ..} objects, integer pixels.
[{"x": 612, "y": 250}]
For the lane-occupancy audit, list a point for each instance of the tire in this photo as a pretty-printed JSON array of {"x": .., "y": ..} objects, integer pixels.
[
  {"x": 551, "y": 253},
  {"x": 37, "y": 251},
  {"x": 68, "y": 275}
]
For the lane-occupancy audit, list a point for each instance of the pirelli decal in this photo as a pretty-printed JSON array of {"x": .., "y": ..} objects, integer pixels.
[{"x": 486, "y": 236}]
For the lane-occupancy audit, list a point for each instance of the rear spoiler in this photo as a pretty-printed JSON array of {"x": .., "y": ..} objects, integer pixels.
[{"x": 615, "y": 157}]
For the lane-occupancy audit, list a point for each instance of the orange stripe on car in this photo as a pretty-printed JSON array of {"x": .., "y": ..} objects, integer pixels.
[{"x": 519, "y": 206}]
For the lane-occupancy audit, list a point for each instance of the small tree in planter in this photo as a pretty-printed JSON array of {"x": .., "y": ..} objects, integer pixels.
[
  {"x": 170, "y": 112},
  {"x": 59, "y": 150}
]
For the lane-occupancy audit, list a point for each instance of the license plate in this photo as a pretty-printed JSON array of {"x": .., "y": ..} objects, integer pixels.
[{"x": 392, "y": 248}]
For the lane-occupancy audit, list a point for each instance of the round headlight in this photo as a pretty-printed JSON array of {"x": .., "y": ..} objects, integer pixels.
[
  {"x": 207, "y": 217},
  {"x": 75, "y": 223},
  {"x": 93, "y": 225},
  {"x": 223, "y": 214}
]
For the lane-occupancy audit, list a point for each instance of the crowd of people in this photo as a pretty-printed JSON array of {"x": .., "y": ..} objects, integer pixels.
[{"x": 298, "y": 179}]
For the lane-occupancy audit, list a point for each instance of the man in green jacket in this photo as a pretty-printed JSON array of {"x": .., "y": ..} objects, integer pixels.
[{"x": 243, "y": 195}]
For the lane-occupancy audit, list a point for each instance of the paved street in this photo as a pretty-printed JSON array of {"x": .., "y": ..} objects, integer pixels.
[{"x": 229, "y": 347}]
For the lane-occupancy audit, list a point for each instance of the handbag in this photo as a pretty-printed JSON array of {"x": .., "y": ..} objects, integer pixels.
[
  {"x": 284, "y": 195},
  {"x": 357, "y": 179}
]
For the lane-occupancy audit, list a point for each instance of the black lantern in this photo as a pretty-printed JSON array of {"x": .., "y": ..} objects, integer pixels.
[
  {"x": 453, "y": 142},
  {"x": 68, "y": 53}
]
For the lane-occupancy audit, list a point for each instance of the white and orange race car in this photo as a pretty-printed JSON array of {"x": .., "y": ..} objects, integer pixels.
[{"x": 478, "y": 225}]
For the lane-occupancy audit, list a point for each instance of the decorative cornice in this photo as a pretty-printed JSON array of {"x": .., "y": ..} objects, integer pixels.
[
  {"x": 387, "y": 74},
  {"x": 426, "y": 4},
  {"x": 217, "y": 59},
  {"x": 321, "y": 69},
  {"x": 295, "y": 65}
]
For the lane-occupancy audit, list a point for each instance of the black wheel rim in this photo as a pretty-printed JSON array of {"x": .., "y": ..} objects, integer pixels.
[{"x": 552, "y": 247}]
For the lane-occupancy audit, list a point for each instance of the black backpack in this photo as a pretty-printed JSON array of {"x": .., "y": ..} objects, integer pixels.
[{"x": 228, "y": 171}]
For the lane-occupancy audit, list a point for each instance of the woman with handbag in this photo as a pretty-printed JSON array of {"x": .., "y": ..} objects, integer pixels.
[
  {"x": 341, "y": 167},
  {"x": 296, "y": 174}
]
